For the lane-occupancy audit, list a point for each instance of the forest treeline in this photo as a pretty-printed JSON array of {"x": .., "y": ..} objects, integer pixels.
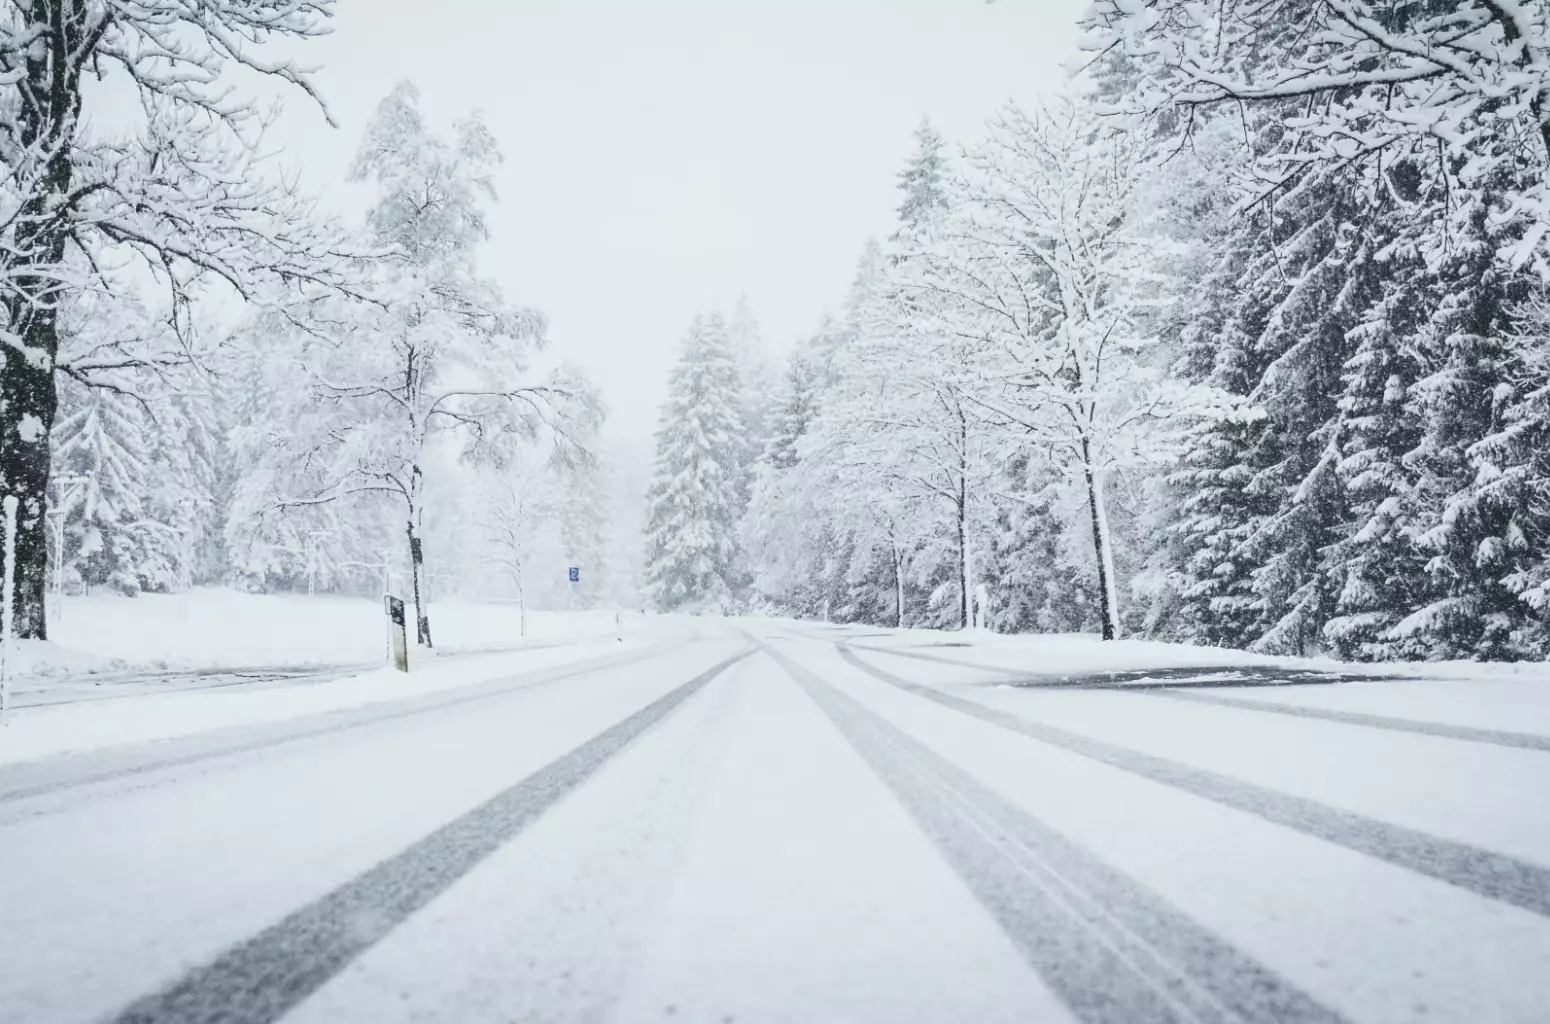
[{"x": 1241, "y": 341}]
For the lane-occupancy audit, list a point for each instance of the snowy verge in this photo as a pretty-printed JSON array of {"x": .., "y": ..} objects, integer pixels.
[
  {"x": 42, "y": 659},
  {"x": 1058, "y": 654},
  {"x": 218, "y": 628},
  {"x": 45, "y": 731}
]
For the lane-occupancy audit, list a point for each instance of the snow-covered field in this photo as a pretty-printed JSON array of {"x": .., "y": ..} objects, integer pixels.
[
  {"x": 214, "y": 627},
  {"x": 760, "y": 820}
]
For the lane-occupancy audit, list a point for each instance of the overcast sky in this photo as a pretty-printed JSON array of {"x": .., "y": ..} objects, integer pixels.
[{"x": 667, "y": 156}]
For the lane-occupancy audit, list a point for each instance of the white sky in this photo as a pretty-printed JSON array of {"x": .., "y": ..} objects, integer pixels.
[{"x": 663, "y": 158}]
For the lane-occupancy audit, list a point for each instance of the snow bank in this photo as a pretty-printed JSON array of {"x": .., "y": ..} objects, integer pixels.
[
  {"x": 210, "y": 628},
  {"x": 1085, "y": 653},
  {"x": 89, "y": 725},
  {"x": 43, "y": 658}
]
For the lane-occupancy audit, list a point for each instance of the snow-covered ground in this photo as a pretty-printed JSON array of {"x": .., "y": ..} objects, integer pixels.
[
  {"x": 1085, "y": 653},
  {"x": 766, "y": 821},
  {"x": 155, "y": 667},
  {"x": 217, "y": 627},
  {"x": 44, "y": 731}
]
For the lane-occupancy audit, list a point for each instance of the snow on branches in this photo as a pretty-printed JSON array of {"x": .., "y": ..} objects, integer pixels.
[
  {"x": 431, "y": 357},
  {"x": 1459, "y": 88}
]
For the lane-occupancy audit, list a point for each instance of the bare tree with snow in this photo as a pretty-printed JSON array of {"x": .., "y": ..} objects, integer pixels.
[
  {"x": 180, "y": 192},
  {"x": 1037, "y": 271},
  {"x": 437, "y": 357}
]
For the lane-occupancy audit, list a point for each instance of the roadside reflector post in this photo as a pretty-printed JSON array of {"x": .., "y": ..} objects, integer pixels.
[{"x": 396, "y": 632}]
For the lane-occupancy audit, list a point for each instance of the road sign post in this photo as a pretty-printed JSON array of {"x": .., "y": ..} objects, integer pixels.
[
  {"x": 575, "y": 574},
  {"x": 396, "y": 631}
]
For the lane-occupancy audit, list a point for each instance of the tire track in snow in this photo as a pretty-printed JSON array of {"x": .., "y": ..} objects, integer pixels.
[
  {"x": 1468, "y": 734},
  {"x": 1129, "y": 679},
  {"x": 39, "y": 778},
  {"x": 1110, "y": 948},
  {"x": 261, "y": 979},
  {"x": 1480, "y": 871},
  {"x": 1189, "y": 691}
]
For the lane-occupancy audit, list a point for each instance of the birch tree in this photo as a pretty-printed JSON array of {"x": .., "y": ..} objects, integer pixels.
[
  {"x": 438, "y": 358},
  {"x": 1036, "y": 270},
  {"x": 520, "y": 516}
]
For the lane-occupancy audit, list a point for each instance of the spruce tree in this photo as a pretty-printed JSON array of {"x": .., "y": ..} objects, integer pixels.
[
  {"x": 693, "y": 561},
  {"x": 1376, "y": 570},
  {"x": 921, "y": 181},
  {"x": 100, "y": 440},
  {"x": 1472, "y": 531}
]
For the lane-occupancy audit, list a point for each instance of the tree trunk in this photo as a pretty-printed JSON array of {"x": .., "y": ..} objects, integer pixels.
[
  {"x": 898, "y": 589},
  {"x": 422, "y": 614},
  {"x": 1100, "y": 546},
  {"x": 46, "y": 124},
  {"x": 28, "y": 398},
  {"x": 422, "y": 618},
  {"x": 964, "y": 569}
]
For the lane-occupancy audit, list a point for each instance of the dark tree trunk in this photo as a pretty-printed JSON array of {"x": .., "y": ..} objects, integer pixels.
[
  {"x": 422, "y": 617},
  {"x": 963, "y": 556},
  {"x": 46, "y": 124},
  {"x": 1098, "y": 546}
]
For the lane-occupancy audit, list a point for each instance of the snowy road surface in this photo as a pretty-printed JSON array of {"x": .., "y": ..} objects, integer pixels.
[{"x": 752, "y": 821}]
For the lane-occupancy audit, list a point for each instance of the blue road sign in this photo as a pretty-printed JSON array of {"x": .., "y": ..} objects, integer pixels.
[{"x": 575, "y": 574}]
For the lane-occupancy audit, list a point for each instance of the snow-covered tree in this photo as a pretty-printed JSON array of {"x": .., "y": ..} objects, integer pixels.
[
  {"x": 521, "y": 516},
  {"x": 1037, "y": 270},
  {"x": 178, "y": 192},
  {"x": 1457, "y": 90},
  {"x": 922, "y": 180},
  {"x": 437, "y": 358},
  {"x": 693, "y": 559},
  {"x": 134, "y": 450}
]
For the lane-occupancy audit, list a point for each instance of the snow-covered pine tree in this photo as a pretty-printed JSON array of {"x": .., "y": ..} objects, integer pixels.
[
  {"x": 101, "y": 450},
  {"x": 1475, "y": 534},
  {"x": 133, "y": 449},
  {"x": 801, "y": 555},
  {"x": 759, "y": 384},
  {"x": 1260, "y": 500},
  {"x": 693, "y": 559},
  {"x": 1325, "y": 264},
  {"x": 793, "y": 412},
  {"x": 1376, "y": 570},
  {"x": 1038, "y": 590},
  {"x": 923, "y": 179},
  {"x": 1518, "y": 478},
  {"x": 784, "y": 530}
]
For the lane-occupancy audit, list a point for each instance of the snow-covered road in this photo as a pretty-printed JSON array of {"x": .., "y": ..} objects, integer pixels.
[{"x": 757, "y": 821}]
